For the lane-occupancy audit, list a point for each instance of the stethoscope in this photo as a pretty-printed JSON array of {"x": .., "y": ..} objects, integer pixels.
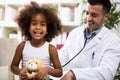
[{"x": 85, "y": 42}]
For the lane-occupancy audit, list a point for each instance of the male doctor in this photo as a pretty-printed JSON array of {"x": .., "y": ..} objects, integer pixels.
[{"x": 93, "y": 49}]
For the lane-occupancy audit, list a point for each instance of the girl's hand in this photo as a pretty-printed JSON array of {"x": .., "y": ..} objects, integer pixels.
[
  {"x": 23, "y": 75},
  {"x": 42, "y": 73}
]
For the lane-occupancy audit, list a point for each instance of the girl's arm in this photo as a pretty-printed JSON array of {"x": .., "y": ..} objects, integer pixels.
[
  {"x": 16, "y": 59},
  {"x": 57, "y": 70}
]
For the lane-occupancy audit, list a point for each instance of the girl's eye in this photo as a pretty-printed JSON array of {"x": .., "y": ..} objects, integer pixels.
[
  {"x": 33, "y": 23},
  {"x": 43, "y": 24}
]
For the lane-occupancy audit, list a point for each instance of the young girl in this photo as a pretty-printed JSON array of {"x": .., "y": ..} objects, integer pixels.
[{"x": 38, "y": 25}]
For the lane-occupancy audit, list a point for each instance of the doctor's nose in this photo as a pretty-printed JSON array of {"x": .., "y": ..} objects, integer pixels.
[{"x": 88, "y": 17}]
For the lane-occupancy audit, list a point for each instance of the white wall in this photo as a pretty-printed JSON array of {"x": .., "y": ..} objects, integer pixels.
[{"x": 7, "y": 50}]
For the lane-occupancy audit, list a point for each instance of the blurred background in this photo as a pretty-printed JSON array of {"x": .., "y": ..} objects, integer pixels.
[{"x": 70, "y": 13}]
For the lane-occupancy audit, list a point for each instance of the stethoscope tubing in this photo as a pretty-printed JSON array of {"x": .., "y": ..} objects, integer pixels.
[
  {"x": 80, "y": 50},
  {"x": 76, "y": 54}
]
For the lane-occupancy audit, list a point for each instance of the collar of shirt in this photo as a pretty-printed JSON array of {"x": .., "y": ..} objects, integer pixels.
[{"x": 92, "y": 34}]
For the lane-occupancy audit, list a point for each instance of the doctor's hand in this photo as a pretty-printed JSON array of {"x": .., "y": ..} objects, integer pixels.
[{"x": 68, "y": 76}]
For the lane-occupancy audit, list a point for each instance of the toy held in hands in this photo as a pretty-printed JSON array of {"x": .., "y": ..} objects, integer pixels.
[{"x": 33, "y": 66}]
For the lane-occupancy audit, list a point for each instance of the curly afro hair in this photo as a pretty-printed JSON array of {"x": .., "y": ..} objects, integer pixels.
[{"x": 24, "y": 16}]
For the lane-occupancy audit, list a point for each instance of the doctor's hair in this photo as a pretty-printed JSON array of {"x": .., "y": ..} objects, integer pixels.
[
  {"x": 105, "y": 3},
  {"x": 24, "y": 16}
]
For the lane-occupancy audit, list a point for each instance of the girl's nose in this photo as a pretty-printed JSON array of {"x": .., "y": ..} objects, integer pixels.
[{"x": 39, "y": 26}]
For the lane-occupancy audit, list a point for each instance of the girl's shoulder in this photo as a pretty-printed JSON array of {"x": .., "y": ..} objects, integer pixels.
[
  {"x": 22, "y": 44},
  {"x": 51, "y": 46},
  {"x": 52, "y": 51}
]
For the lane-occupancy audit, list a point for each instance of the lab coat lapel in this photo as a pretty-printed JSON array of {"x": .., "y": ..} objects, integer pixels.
[
  {"x": 81, "y": 38},
  {"x": 95, "y": 40}
]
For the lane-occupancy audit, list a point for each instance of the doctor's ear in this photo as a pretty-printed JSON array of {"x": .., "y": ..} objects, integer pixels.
[{"x": 106, "y": 17}]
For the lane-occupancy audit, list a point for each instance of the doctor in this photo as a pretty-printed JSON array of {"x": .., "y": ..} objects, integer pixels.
[{"x": 93, "y": 49}]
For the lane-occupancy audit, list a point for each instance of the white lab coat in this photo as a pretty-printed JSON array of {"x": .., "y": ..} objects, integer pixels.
[{"x": 99, "y": 59}]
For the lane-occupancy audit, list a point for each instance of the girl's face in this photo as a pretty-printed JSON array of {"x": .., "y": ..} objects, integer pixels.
[{"x": 38, "y": 27}]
